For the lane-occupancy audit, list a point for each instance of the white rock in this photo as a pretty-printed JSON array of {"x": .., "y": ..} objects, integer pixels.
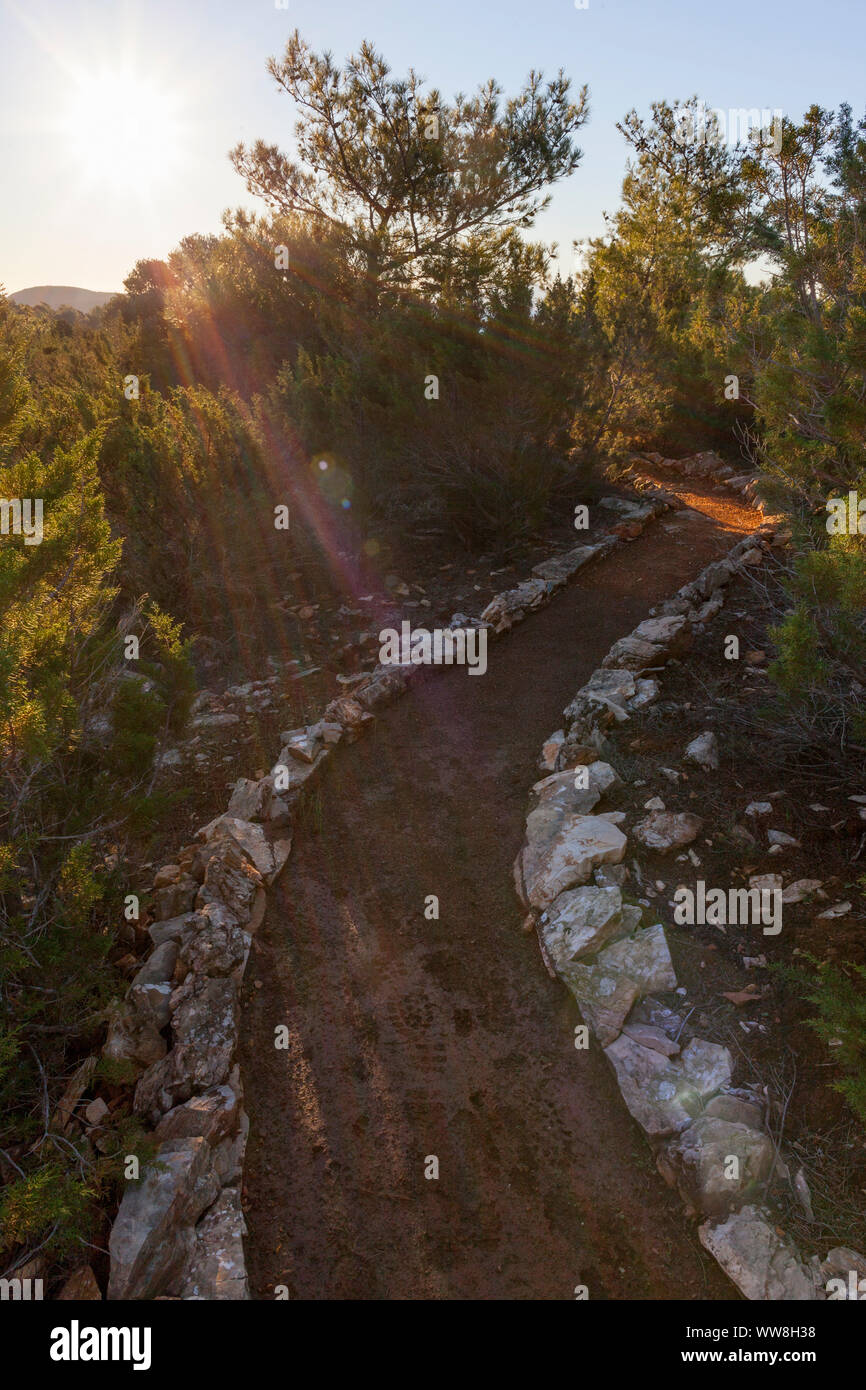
[
  {"x": 612, "y": 687},
  {"x": 249, "y": 837},
  {"x": 151, "y": 1233},
  {"x": 566, "y": 857},
  {"x": 762, "y": 1264},
  {"x": 759, "y": 808},
  {"x": 698, "y": 1161},
  {"x": 800, "y": 889},
  {"x": 215, "y": 1268},
  {"x": 646, "y": 691},
  {"x": 581, "y": 921},
  {"x": 782, "y": 839},
  {"x": 665, "y": 1094},
  {"x": 704, "y": 751},
  {"x": 766, "y": 883},
  {"x": 550, "y": 749},
  {"x": 837, "y": 910},
  {"x": 648, "y": 1036},
  {"x": 667, "y": 830}
]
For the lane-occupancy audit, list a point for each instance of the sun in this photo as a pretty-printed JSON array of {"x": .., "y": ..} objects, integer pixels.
[{"x": 123, "y": 129}]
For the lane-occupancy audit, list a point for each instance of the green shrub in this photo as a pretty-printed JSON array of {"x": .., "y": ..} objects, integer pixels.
[{"x": 839, "y": 995}]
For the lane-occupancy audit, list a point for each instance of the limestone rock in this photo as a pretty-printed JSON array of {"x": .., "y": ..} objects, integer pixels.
[
  {"x": 604, "y": 998},
  {"x": 232, "y": 880},
  {"x": 646, "y": 691},
  {"x": 578, "y": 749},
  {"x": 215, "y": 721},
  {"x": 175, "y": 898},
  {"x": 610, "y": 875},
  {"x": 671, "y": 634},
  {"x": 147, "y": 1245},
  {"x": 737, "y": 1110},
  {"x": 614, "y": 687},
  {"x": 212, "y": 942},
  {"x": 348, "y": 713},
  {"x": 708, "y": 610},
  {"x": 169, "y": 873},
  {"x": 762, "y": 1264},
  {"x": 258, "y": 801},
  {"x": 384, "y": 687},
  {"x": 645, "y": 957},
  {"x": 303, "y": 744},
  {"x": 715, "y": 577},
  {"x": 704, "y": 751},
  {"x": 800, "y": 889},
  {"x": 652, "y": 1014},
  {"x": 782, "y": 839},
  {"x": 560, "y": 788},
  {"x": 563, "y": 854},
  {"x": 653, "y": 642},
  {"x": 96, "y": 1111},
  {"x": 634, "y": 653},
  {"x": 632, "y": 511},
  {"x": 699, "y": 1160},
  {"x": 559, "y": 568},
  {"x": 170, "y": 929},
  {"x": 229, "y": 1153},
  {"x": 216, "y": 1268},
  {"x": 840, "y": 1261},
  {"x": 205, "y": 1026},
  {"x": 248, "y": 836},
  {"x": 151, "y": 988},
  {"x": 509, "y": 607},
  {"x": 579, "y": 922},
  {"x": 550, "y": 750},
  {"x": 290, "y": 774},
  {"x": 665, "y": 1094},
  {"x": 329, "y": 732},
  {"x": 649, "y": 1036},
  {"x": 607, "y": 987},
  {"x": 666, "y": 830},
  {"x": 213, "y": 1116}
]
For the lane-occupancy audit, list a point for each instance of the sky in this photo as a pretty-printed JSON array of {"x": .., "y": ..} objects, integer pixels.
[{"x": 116, "y": 118}]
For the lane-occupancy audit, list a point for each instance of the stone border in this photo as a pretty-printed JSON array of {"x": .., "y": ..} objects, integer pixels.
[
  {"x": 569, "y": 875},
  {"x": 179, "y": 1230},
  {"x": 707, "y": 467}
]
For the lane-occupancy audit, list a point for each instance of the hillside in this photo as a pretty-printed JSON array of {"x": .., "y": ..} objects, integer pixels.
[{"x": 62, "y": 297}]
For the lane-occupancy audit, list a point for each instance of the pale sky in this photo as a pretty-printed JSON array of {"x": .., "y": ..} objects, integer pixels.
[{"x": 116, "y": 116}]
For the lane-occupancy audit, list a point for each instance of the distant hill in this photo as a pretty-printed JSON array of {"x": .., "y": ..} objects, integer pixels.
[{"x": 62, "y": 297}]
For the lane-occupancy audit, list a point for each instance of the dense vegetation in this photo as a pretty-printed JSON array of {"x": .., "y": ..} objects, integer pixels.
[{"x": 388, "y": 315}]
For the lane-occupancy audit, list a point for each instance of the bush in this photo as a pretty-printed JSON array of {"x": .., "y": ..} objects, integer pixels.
[{"x": 839, "y": 994}]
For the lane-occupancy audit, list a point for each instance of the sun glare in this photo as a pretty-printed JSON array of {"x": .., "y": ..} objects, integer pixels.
[{"x": 124, "y": 130}]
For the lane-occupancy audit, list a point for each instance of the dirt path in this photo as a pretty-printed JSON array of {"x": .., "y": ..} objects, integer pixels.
[{"x": 411, "y": 1038}]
